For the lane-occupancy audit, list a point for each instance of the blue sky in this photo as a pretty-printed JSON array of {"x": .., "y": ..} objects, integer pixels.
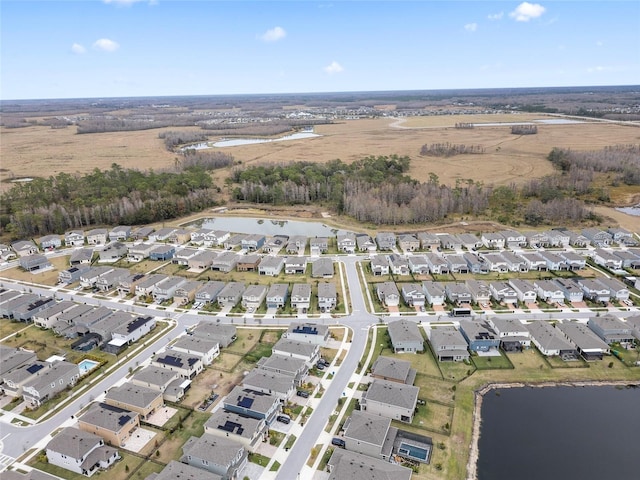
[{"x": 114, "y": 48}]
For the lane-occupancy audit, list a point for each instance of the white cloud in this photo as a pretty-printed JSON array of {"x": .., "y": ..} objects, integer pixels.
[
  {"x": 471, "y": 27},
  {"x": 495, "y": 16},
  {"x": 106, "y": 45},
  {"x": 273, "y": 35},
  {"x": 527, "y": 11},
  {"x": 333, "y": 67},
  {"x": 78, "y": 49}
]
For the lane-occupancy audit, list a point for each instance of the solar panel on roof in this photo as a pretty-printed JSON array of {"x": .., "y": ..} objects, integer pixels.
[
  {"x": 34, "y": 368},
  {"x": 171, "y": 360},
  {"x": 230, "y": 427},
  {"x": 245, "y": 402},
  {"x": 123, "y": 419},
  {"x": 306, "y": 330}
]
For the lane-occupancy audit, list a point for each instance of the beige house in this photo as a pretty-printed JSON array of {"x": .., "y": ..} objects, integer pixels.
[
  {"x": 113, "y": 424},
  {"x": 132, "y": 397}
]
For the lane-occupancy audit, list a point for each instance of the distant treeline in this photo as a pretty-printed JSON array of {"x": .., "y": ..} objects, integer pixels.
[
  {"x": 450, "y": 149},
  {"x": 114, "y": 124},
  {"x": 623, "y": 161},
  {"x": 173, "y": 139},
  {"x": 115, "y": 196}
]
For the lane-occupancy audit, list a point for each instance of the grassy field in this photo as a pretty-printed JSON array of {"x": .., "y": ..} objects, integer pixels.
[{"x": 48, "y": 277}]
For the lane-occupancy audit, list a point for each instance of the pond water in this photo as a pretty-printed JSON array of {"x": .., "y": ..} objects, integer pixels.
[
  {"x": 267, "y": 227},
  {"x": 635, "y": 210},
  {"x": 560, "y": 433}
]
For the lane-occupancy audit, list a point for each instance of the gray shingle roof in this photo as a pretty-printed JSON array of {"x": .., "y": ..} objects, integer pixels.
[
  {"x": 107, "y": 417},
  {"x": 364, "y": 427},
  {"x": 404, "y": 331},
  {"x": 217, "y": 450},
  {"x": 73, "y": 442},
  {"x": 391, "y": 368},
  {"x": 181, "y": 471},
  {"x": 134, "y": 395},
  {"x": 392, "y": 393}
]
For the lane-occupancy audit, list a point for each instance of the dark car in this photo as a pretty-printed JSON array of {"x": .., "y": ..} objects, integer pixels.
[
  {"x": 338, "y": 442},
  {"x": 320, "y": 366},
  {"x": 302, "y": 393},
  {"x": 284, "y": 418}
]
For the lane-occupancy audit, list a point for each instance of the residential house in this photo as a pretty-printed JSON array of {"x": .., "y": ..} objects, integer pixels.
[
  {"x": 64, "y": 324},
  {"x": 327, "y": 296},
  {"x": 113, "y": 424},
  {"x": 292, "y": 367},
  {"x": 589, "y": 345},
  {"x": 307, "y": 332},
  {"x": 74, "y": 238},
  {"x": 186, "y": 292},
  {"x": 549, "y": 340},
  {"x": 301, "y": 296},
  {"x": 35, "y": 263},
  {"x": 275, "y": 244},
  {"x": 248, "y": 431},
  {"x": 573, "y": 261},
  {"x": 611, "y": 329},
  {"x": 428, "y": 241},
  {"x": 322, "y": 268},
  {"x": 450, "y": 242},
  {"x": 166, "y": 289},
  {"x": 231, "y": 294},
  {"x": 6, "y": 253},
  {"x": 388, "y": 294},
  {"x": 548, "y": 291},
  {"x": 234, "y": 241},
  {"x": 514, "y": 336},
  {"x": 253, "y": 242},
  {"x": 218, "y": 455},
  {"x": 225, "y": 262},
  {"x": 480, "y": 291},
  {"x": 515, "y": 263},
  {"x": 271, "y": 266},
  {"x": 390, "y": 399},
  {"x": 365, "y": 243},
  {"x": 571, "y": 290},
  {"x": 457, "y": 264},
  {"x": 127, "y": 332},
  {"x": 162, "y": 253},
  {"x": 496, "y": 262},
  {"x": 13, "y": 380},
  {"x": 413, "y": 294},
  {"x": 513, "y": 238},
  {"x": 607, "y": 259},
  {"x": 345, "y": 464},
  {"x": 252, "y": 403},
  {"x": 81, "y": 256},
  {"x": 525, "y": 291},
  {"x": 457, "y": 293},
  {"x": 50, "y": 381},
  {"x": 97, "y": 236},
  {"x": 47, "y": 317},
  {"x": 208, "y": 350},
  {"x": 534, "y": 261},
  {"x": 111, "y": 279},
  {"x": 216, "y": 238},
  {"x": 135, "y": 398},
  {"x": 297, "y": 244},
  {"x": 629, "y": 258},
  {"x": 12, "y": 358},
  {"x": 120, "y": 233},
  {"x": 175, "y": 470},
  {"x": 309, "y": 352},
  {"x": 386, "y": 240},
  {"x": 622, "y": 236},
  {"x": 346, "y": 243},
  {"x": 278, "y": 384},
  {"x": 295, "y": 265},
  {"x": 277, "y": 295},
  {"x": 170, "y": 384},
  {"x": 448, "y": 344},
  {"x": 142, "y": 233},
  {"x": 187, "y": 365},
  {"x": 89, "y": 278},
  {"x": 598, "y": 238},
  {"x": 208, "y": 292},
  {"x": 253, "y": 296},
  {"x": 80, "y": 452},
  {"x": 225, "y": 335},
  {"x": 493, "y": 240},
  {"x": 437, "y": 264},
  {"x": 248, "y": 263},
  {"x": 7, "y": 308},
  {"x": 113, "y": 252},
  {"x": 405, "y": 336},
  {"x": 617, "y": 289},
  {"x": 197, "y": 236},
  {"x": 24, "y": 248},
  {"x": 558, "y": 238},
  {"x": 179, "y": 236},
  {"x": 393, "y": 370},
  {"x": 26, "y": 311},
  {"x": 470, "y": 241},
  {"x": 479, "y": 336},
  {"x": 433, "y": 292},
  {"x": 184, "y": 256},
  {"x": 537, "y": 239},
  {"x": 319, "y": 245},
  {"x": 369, "y": 434},
  {"x": 379, "y": 266},
  {"x": 418, "y": 265},
  {"x": 475, "y": 263},
  {"x": 408, "y": 243},
  {"x": 139, "y": 251},
  {"x": 399, "y": 264},
  {"x": 554, "y": 262},
  {"x": 594, "y": 290},
  {"x": 50, "y": 242},
  {"x": 147, "y": 285},
  {"x": 577, "y": 240},
  {"x": 634, "y": 324},
  {"x": 201, "y": 261},
  {"x": 502, "y": 292}
]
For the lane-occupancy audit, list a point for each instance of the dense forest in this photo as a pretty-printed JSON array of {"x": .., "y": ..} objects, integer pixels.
[{"x": 110, "y": 197}]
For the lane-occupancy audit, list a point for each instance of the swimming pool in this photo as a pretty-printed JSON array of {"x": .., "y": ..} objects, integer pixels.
[
  {"x": 87, "y": 365},
  {"x": 411, "y": 451}
]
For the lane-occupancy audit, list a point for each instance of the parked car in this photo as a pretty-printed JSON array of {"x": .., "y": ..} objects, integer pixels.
[
  {"x": 302, "y": 393},
  {"x": 338, "y": 442},
  {"x": 320, "y": 366},
  {"x": 284, "y": 418}
]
